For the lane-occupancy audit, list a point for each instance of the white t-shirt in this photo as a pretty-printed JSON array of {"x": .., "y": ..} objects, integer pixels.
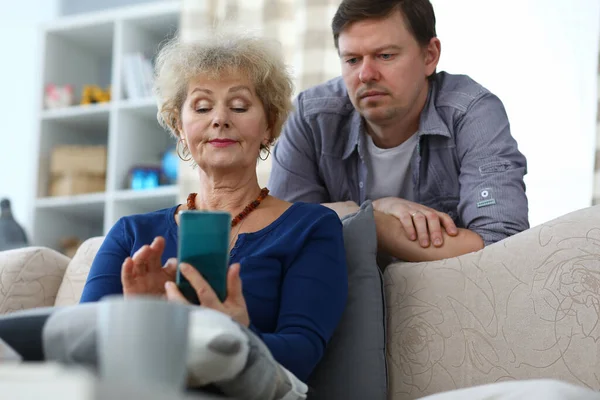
[{"x": 390, "y": 174}]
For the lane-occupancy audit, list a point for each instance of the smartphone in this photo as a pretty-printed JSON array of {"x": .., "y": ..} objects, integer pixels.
[{"x": 204, "y": 244}]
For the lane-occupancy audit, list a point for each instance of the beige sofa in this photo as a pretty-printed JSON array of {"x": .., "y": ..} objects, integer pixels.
[{"x": 527, "y": 307}]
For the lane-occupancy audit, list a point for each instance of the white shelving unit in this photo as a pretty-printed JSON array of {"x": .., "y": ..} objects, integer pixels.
[{"x": 89, "y": 49}]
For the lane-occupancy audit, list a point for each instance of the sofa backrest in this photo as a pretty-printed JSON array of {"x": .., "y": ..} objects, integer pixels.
[
  {"x": 77, "y": 271},
  {"x": 527, "y": 307}
]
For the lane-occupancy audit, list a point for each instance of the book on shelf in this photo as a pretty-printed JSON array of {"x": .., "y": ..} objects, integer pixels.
[{"x": 137, "y": 75}]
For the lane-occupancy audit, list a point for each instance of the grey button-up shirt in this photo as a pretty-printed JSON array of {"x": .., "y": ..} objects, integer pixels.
[{"x": 466, "y": 164}]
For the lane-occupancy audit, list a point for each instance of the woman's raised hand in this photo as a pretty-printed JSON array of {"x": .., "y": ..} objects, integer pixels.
[{"x": 144, "y": 274}]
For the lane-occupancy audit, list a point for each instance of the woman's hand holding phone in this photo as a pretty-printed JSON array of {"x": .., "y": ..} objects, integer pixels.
[
  {"x": 144, "y": 274},
  {"x": 234, "y": 305}
]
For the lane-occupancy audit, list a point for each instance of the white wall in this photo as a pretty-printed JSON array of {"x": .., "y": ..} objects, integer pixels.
[
  {"x": 20, "y": 82},
  {"x": 540, "y": 57}
]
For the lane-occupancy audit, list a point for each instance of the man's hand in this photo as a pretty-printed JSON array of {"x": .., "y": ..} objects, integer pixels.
[
  {"x": 397, "y": 230},
  {"x": 417, "y": 220}
]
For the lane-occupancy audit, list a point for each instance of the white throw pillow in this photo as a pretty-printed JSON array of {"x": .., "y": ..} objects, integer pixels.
[{"x": 30, "y": 277}]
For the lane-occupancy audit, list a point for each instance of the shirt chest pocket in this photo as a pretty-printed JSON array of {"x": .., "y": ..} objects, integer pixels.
[{"x": 340, "y": 178}]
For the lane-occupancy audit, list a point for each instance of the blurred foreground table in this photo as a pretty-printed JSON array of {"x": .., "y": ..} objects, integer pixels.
[{"x": 50, "y": 381}]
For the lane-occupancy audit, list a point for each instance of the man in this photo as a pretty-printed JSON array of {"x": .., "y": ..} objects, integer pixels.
[{"x": 433, "y": 151}]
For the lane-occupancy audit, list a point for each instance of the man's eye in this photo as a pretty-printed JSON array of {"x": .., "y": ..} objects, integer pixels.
[
  {"x": 386, "y": 56},
  {"x": 352, "y": 61}
]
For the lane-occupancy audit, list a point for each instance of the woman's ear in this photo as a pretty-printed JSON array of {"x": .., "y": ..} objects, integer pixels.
[
  {"x": 268, "y": 139},
  {"x": 176, "y": 123},
  {"x": 179, "y": 128}
]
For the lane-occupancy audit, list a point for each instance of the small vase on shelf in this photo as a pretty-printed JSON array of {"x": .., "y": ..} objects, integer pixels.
[{"x": 12, "y": 235}]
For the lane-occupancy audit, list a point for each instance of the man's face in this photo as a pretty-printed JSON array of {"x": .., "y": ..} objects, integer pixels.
[{"x": 385, "y": 69}]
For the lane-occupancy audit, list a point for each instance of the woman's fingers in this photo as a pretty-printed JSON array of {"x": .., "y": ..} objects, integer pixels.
[
  {"x": 140, "y": 260},
  {"x": 170, "y": 268},
  {"x": 173, "y": 294},
  {"x": 234, "y": 284},
  {"x": 139, "y": 251},
  {"x": 156, "y": 250},
  {"x": 235, "y": 303},
  {"x": 158, "y": 244},
  {"x": 127, "y": 277},
  {"x": 206, "y": 294}
]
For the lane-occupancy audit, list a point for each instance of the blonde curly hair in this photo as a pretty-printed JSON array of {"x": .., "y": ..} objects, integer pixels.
[{"x": 259, "y": 58}]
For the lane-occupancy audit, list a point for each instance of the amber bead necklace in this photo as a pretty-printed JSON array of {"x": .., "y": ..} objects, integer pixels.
[{"x": 191, "y": 205}]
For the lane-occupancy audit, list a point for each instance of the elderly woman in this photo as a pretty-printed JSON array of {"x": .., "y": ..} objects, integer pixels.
[{"x": 225, "y": 101}]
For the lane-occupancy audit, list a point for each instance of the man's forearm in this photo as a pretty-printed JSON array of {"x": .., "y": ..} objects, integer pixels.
[
  {"x": 392, "y": 240},
  {"x": 343, "y": 208}
]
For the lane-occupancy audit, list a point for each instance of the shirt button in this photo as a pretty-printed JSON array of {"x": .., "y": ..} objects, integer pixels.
[
  {"x": 360, "y": 185},
  {"x": 349, "y": 106}
]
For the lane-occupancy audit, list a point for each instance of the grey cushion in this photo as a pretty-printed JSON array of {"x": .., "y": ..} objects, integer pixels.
[
  {"x": 69, "y": 335},
  {"x": 354, "y": 364},
  {"x": 22, "y": 330}
]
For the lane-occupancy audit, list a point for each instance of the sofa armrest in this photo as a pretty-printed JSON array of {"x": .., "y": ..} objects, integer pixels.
[
  {"x": 30, "y": 277},
  {"x": 76, "y": 274},
  {"x": 526, "y": 307}
]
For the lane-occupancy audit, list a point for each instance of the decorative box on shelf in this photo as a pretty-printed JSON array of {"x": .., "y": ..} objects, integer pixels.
[{"x": 77, "y": 170}]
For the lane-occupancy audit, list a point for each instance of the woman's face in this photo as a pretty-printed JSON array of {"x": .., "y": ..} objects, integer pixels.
[{"x": 223, "y": 123}]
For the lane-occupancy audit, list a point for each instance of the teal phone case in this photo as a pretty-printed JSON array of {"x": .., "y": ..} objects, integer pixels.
[{"x": 204, "y": 244}]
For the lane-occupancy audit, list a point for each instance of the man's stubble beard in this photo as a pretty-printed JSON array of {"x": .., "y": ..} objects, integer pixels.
[{"x": 388, "y": 114}]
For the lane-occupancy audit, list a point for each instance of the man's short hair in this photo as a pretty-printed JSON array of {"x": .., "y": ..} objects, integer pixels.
[{"x": 418, "y": 14}]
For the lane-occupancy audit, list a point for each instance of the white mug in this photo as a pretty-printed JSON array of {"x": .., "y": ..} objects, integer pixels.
[{"x": 143, "y": 340}]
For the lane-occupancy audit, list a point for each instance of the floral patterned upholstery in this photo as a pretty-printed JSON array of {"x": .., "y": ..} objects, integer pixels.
[{"x": 526, "y": 307}]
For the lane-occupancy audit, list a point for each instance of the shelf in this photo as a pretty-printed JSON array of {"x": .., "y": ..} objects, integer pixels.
[
  {"x": 79, "y": 56},
  {"x": 142, "y": 142},
  {"x": 95, "y": 38},
  {"x": 137, "y": 11},
  {"x": 160, "y": 193},
  {"x": 81, "y": 216},
  {"x": 77, "y": 111},
  {"x": 80, "y": 117},
  {"x": 159, "y": 25},
  {"x": 142, "y": 35},
  {"x": 75, "y": 203},
  {"x": 85, "y": 50},
  {"x": 146, "y": 108},
  {"x": 130, "y": 202}
]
